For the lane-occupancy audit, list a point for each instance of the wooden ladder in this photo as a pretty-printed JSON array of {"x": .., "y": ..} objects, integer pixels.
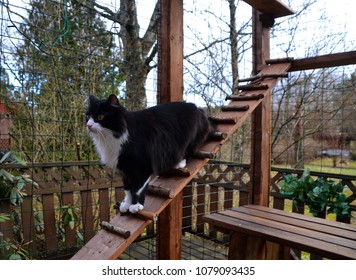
[{"x": 122, "y": 230}]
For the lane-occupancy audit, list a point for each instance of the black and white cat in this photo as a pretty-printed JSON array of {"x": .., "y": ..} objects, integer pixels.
[{"x": 143, "y": 144}]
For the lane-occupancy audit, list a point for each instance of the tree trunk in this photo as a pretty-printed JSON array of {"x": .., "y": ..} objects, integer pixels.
[{"x": 233, "y": 42}]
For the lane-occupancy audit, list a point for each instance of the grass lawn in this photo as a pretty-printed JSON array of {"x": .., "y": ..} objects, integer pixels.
[{"x": 326, "y": 165}]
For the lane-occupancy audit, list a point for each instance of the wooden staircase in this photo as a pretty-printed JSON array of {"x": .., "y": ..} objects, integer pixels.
[{"x": 122, "y": 230}]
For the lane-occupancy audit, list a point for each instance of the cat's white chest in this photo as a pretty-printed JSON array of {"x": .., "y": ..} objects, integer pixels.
[{"x": 108, "y": 146}]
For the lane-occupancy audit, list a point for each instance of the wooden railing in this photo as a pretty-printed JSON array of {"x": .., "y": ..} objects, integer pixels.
[{"x": 90, "y": 191}]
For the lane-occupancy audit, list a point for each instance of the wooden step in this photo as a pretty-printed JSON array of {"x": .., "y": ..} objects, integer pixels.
[
  {"x": 251, "y": 87},
  {"x": 240, "y": 108},
  {"x": 115, "y": 229},
  {"x": 204, "y": 154},
  {"x": 240, "y": 97},
  {"x": 160, "y": 191},
  {"x": 223, "y": 120},
  {"x": 217, "y": 136},
  {"x": 263, "y": 76},
  {"x": 180, "y": 172}
]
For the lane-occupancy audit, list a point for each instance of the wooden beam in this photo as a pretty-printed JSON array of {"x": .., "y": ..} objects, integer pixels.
[
  {"x": 323, "y": 61},
  {"x": 261, "y": 118},
  {"x": 260, "y": 43},
  {"x": 272, "y": 7},
  {"x": 169, "y": 245},
  {"x": 170, "y": 89},
  {"x": 170, "y": 54}
]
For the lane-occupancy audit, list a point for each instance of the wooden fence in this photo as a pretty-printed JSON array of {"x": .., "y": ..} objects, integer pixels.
[{"x": 65, "y": 210}]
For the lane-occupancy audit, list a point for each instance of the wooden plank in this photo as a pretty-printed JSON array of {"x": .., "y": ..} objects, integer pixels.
[
  {"x": 28, "y": 223},
  {"x": 314, "y": 220},
  {"x": 273, "y": 7},
  {"x": 108, "y": 246},
  {"x": 323, "y": 61},
  {"x": 49, "y": 223},
  {"x": 70, "y": 234},
  {"x": 87, "y": 215}
]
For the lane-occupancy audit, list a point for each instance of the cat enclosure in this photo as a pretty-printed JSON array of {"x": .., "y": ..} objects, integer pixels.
[{"x": 54, "y": 54}]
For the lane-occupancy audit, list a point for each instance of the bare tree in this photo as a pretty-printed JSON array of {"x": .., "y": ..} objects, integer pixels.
[{"x": 137, "y": 52}]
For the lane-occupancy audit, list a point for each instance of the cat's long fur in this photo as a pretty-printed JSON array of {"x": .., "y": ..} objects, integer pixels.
[{"x": 144, "y": 143}]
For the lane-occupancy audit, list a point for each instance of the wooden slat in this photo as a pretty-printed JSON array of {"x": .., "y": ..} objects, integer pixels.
[
  {"x": 28, "y": 223},
  {"x": 87, "y": 215},
  {"x": 313, "y": 220},
  {"x": 70, "y": 234},
  {"x": 49, "y": 223}
]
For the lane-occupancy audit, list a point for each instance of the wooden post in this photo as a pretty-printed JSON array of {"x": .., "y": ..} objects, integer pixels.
[
  {"x": 170, "y": 88},
  {"x": 170, "y": 52},
  {"x": 169, "y": 245},
  {"x": 261, "y": 118}
]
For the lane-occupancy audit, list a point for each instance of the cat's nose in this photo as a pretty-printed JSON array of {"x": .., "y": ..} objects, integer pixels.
[{"x": 89, "y": 126}]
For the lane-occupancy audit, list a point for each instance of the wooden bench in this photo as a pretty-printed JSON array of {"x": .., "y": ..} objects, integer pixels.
[{"x": 258, "y": 232}]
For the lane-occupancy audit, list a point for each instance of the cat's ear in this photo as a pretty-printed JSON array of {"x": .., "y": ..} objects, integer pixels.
[
  {"x": 93, "y": 99},
  {"x": 113, "y": 101}
]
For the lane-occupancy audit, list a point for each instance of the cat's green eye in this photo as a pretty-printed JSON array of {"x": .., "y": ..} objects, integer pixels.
[{"x": 100, "y": 117}]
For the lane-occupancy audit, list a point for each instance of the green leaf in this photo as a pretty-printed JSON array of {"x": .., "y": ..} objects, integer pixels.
[
  {"x": 4, "y": 217},
  {"x": 8, "y": 176},
  {"x": 13, "y": 197},
  {"x": 15, "y": 257},
  {"x": 4, "y": 157},
  {"x": 19, "y": 160},
  {"x": 20, "y": 184},
  {"x": 71, "y": 224}
]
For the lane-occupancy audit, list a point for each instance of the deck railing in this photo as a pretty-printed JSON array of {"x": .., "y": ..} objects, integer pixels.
[{"x": 66, "y": 209}]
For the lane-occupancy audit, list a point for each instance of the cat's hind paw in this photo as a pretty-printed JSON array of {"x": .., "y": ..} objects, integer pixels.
[
  {"x": 124, "y": 207},
  {"x": 134, "y": 208}
]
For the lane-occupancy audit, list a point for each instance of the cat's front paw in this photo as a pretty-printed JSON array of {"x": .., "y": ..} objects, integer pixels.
[
  {"x": 124, "y": 207},
  {"x": 181, "y": 164},
  {"x": 134, "y": 208}
]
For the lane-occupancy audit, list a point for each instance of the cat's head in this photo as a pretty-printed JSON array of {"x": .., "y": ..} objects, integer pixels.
[{"x": 105, "y": 114}]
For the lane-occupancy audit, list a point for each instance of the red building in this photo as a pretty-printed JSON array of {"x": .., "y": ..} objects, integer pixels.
[{"x": 5, "y": 125}]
